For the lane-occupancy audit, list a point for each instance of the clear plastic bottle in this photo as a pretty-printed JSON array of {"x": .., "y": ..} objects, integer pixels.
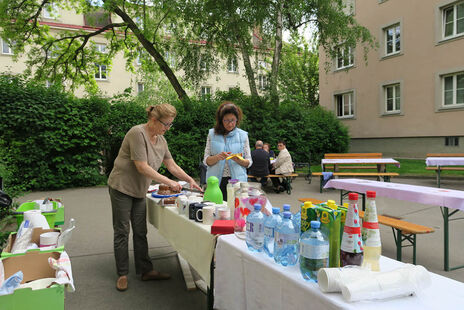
[
  {"x": 231, "y": 196},
  {"x": 371, "y": 235},
  {"x": 285, "y": 208},
  {"x": 296, "y": 218},
  {"x": 255, "y": 229},
  {"x": 270, "y": 225},
  {"x": 351, "y": 249},
  {"x": 314, "y": 252},
  {"x": 286, "y": 242}
]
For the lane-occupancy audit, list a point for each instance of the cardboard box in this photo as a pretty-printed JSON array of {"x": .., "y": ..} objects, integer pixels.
[
  {"x": 34, "y": 265},
  {"x": 330, "y": 226},
  {"x": 222, "y": 227},
  {"x": 35, "y": 238}
]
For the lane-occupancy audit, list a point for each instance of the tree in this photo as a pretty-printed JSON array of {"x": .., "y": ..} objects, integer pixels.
[
  {"x": 71, "y": 55},
  {"x": 299, "y": 72}
]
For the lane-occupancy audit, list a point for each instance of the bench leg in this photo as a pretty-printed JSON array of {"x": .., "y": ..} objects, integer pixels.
[
  {"x": 398, "y": 240},
  {"x": 414, "y": 249},
  {"x": 438, "y": 176},
  {"x": 288, "y": 184},
  {"x": 320, "y": 184}
]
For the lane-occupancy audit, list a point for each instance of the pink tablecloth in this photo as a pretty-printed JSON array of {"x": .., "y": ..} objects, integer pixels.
[
  {"x": 361, "y": 161},
  {"x": 444, "y": 161},
  {"x": 421, "y": 194}
]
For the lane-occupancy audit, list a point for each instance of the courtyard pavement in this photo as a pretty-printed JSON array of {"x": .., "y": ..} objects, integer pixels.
[{"x": 91, "y": 248}]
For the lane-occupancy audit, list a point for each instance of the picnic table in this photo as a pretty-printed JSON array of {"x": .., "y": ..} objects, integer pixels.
[
  {"x": 446, "y": 199},
  {"x": 441, "y": 161}
]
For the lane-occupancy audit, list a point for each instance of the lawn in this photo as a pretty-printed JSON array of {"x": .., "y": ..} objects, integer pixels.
[{"x": 409, "y": 167}]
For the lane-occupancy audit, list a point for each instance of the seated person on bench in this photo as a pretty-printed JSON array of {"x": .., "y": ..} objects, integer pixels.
[
  {"x": 260, "y": 166},
  {"x": 282, "y": 165}
]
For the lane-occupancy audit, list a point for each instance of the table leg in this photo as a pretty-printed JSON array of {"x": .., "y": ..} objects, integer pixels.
[
  {"x": 438, "y": 176},
  {"x": 446, "y": 219},
  {"x": 210, "y": 292}
]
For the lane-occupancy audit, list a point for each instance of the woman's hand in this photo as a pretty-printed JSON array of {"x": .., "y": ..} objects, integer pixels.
[
  {"x": 240, "y": 160},
  {"x": 194, "y": 184},
  {"x": 175, "y": 186},
  {"x": 223, "y": 155}
]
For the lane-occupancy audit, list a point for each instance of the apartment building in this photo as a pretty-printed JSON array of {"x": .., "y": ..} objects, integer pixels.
[
  {"x": 115, "y": 79},
  {"x": 408, "y": 99}
]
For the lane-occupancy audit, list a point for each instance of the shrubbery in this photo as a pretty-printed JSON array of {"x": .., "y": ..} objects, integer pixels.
[{"x": 50, "y": 140}]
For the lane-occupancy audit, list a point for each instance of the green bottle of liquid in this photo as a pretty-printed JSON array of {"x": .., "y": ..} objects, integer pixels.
[{"x": 213, "y": 192}]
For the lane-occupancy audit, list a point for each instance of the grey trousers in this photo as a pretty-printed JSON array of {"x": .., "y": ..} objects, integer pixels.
[{"x": 129, "y": 211}]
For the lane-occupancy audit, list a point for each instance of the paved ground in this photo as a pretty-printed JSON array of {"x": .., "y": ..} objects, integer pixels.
[{"x": 94, "y": 269}]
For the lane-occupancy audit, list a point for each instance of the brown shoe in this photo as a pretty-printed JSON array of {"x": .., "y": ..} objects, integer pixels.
[
  {"x": 121, "y": 284},
  {"x": 155, "y": 275}
]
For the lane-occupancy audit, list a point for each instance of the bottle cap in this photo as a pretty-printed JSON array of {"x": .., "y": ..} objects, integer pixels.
[
  {"x": 287, "y": 215},
  {"x": 307, "y": 205},
  {"x": 353, "y": 196},
  {"x": 275, "y": 210},
  {"x": 332, "y": 205},
  {"x": 233, "y": 181},
  {"x": 345, "y": 204},
  {"x": 370, "y": 194},
  {"x": 257, "y": 207},
  {"x": 315, "y": 224},
  {"x": 286, "y": 207}
]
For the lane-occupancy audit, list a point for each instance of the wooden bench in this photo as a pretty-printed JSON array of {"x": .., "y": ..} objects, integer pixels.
[
  {"x": 351, "y": 156},
  {"x": 287, "y": 179},
  {"x": 385, "y": 175},
  {"x": 439, "y": 169},
  {"x": 402, "y": 230}
]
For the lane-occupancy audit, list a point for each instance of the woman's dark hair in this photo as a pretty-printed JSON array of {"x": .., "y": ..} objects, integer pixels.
[{"x": 227, "y": 107}]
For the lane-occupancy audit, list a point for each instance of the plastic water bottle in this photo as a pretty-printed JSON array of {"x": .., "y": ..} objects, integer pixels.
[
  {"x": 314, "y": 252},
  {"x": 270, "y": 224},
  {"x": 255, "y": 229},
  {"x": 286, "y": 242},
  {"x": 286, "y": 208},
  {"x": 371, "y": 235},
  {"x": 296, "y": 218}
]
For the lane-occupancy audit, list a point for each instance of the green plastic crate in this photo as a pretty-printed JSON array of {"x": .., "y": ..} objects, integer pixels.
[{"x": 31, "y": 205}]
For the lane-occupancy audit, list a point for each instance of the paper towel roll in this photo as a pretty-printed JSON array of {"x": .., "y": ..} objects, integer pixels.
[
  {"x": 330, "y": 279},
  {"x": 36, "y": 219}
]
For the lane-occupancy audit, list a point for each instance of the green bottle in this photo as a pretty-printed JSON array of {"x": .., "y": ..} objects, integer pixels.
[{"x": 213, "y": 192}]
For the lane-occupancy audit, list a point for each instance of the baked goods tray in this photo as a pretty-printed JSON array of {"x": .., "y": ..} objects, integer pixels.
[{"x": 154, "y": 194}]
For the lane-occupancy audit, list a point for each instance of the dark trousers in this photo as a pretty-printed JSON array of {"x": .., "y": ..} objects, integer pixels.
[
  {"x": 129, "y": 211},
  {"x": 223, "y": 187},
  {"x": 263, "y": 180}
]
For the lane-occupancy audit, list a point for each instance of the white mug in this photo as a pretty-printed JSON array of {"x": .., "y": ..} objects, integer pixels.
[
  {"x": 182, "y": 204},
  {"x": 223, "y": 213},
  {"x": 208, "y": 215}
]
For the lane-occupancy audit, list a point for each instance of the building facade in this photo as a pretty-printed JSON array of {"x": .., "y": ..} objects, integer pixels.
[
  {"x": 407, "y": 99},
  {"x": 114, "y": 79}
]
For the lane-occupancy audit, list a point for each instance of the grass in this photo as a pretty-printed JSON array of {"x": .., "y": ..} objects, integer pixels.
[{"x": 408, "y": 168}]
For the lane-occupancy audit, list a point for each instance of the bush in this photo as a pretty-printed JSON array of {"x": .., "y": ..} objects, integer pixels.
[{"x": 49, "y": 139}]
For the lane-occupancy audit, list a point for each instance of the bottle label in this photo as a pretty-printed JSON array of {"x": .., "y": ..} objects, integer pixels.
[
  {"x": 286, "y": 239},
  {"x": 269, "y": 232},
  {"x": 371, "y": 237},
  {"x": 256, "y": 231},
  {"x": 313, "y": 251},
  {"x": 351, "y": 243}
]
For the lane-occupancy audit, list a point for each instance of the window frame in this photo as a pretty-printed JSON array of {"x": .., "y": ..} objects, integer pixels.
[
  {"x": 341, "y": 56},
  {"x": 170, "y": 58},
  {"x": 99, "y": 72},
  {"x": 205, "y": 87},
  {"x": 50, "y": 14},
  {"x": 232, "y": 65},
  {"x": 140, "y": 87},
  {"x": 395, "y": 97},
  {"x": 385, "y": 41},
  {"x": 351, "y": 104},
  {"x": 262, "y": 81},
  {"x": 10, "y": 50},
  {"x": 455, "y": 89},
  {"x": 454, "y": 7}
]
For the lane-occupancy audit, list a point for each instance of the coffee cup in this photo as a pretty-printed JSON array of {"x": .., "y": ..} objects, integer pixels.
[
  {"x": 223, "y": 213},
  {"x": 199, "y": 213},
  {"x": 193, "y": 209},
  {"x": 208, "y": 215},
  {"x": 182, "y": 205}
]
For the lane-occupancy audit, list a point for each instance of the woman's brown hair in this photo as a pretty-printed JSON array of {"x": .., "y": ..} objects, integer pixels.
[{"x": 227, "y": 107}]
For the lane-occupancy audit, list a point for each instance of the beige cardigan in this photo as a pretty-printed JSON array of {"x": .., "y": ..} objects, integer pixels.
[{"x": 283, "y": 163}]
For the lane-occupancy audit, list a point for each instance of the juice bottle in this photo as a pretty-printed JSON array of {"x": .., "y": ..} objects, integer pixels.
[
  {"x": 371, "y": 235},
  {"x": 351, "y": 249}
]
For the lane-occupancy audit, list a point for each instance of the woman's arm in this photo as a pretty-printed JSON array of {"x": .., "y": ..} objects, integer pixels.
[
  {"x": 180, "y": 173},
  {"x": 210, "y": 159},
  {"x": 149, "y": 172},
  {"x": 247, "y": 161}
]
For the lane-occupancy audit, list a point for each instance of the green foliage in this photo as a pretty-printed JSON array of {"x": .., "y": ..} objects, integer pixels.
[{"x": 48, "y": 139}]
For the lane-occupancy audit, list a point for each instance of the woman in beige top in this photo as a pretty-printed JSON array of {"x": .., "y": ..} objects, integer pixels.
[{"x": 142, "y": 152}]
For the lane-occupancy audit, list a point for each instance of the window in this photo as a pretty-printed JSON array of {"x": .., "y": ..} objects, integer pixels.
[
  {"x": 349, "y": 7},
  {"x": 262, "y": 81},
  {"x": 6, "y": 49},
  {"x": 100, "y": 72},
  {"x": 203, "y": 65},
  {"x": 392, "y": 40},
  {"x": 344, "y": 104},
  {"x": 101, "y": 48},
  {"x": 392, "y": 98},
  {"x": 170, "y": 58},
  {"x": 205, "y": 91},
  {"x": 140, "y": 87},
  {"x": 262, "y": 64},
  {"x": 344, "y": 57},
  {"x": 50, "y": 10},
  {"x": 453, "y": 89},
  {"x": 232, "y": 65},
  {"x": 451, "y": 141},
  {"x": 453, "y": 20}
]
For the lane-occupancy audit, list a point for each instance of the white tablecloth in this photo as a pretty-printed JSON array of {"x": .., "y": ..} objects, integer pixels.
[
  {"x": 246, "y": 280},
  {"x": 444, "y": 161},
  {"x": 192, "y": 240},
  {"x": 441, "y": 197}
]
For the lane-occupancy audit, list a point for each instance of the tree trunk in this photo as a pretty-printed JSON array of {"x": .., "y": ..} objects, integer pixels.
[
  {"x": 156, "y": 55},
  {"x": 276, "y": 58},
  {"x": 248, "y": 68}
]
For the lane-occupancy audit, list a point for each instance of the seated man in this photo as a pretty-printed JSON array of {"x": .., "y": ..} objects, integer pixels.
[
  {"x": 282, "y": 165},
  {"x": 260, "y": 166}
]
